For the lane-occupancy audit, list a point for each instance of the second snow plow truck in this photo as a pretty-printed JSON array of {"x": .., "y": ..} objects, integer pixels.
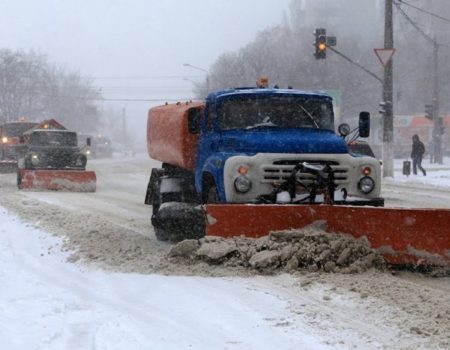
[
  {"x": 52, "y": 160},
  {"x": 248, "y": 161}
]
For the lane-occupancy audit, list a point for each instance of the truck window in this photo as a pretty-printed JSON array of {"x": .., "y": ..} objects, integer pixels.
[
  {"x": 245, "y": 112},
  {"x": 54, "y": 138}
]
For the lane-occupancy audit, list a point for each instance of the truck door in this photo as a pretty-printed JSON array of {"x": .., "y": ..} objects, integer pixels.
[{"x": 208, "y": 146}]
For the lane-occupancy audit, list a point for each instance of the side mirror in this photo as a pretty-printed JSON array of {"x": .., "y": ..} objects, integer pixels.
[
  {"x": 364, "y": 124},
  {"x": 88, "y": 141},
  {"x": 193, "y": 121}
]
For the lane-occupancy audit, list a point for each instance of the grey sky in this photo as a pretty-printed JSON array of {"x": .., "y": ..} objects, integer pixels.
[
  {"x": 134, "y": 37},
  {"x": 129, "y": 38}
]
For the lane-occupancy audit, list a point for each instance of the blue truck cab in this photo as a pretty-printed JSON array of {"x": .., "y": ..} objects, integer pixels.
[{"x": 252, "y": 138}]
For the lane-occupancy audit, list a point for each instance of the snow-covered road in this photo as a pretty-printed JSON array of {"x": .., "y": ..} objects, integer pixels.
[{"x": 48, "y": 303}]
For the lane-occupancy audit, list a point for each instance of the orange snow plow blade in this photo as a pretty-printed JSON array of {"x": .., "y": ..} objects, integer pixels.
[
  {"x": 59, "y": 180},
  {"x": 403, "y": 236}
]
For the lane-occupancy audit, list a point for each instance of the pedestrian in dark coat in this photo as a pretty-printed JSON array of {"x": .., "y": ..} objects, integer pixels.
[{"x": 418, "y": 150}]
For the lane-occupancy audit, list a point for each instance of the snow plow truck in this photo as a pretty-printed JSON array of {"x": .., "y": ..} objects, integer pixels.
[
  {"x": 52, "y": 160},
  {"x": 248, "y": 161}
]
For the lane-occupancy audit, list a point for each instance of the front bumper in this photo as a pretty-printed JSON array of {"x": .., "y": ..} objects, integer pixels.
[{"x": 267, "y": 171}]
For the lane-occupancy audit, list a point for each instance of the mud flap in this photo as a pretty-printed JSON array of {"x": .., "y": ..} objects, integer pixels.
[
  {"x": 59, "y": 180},
  {"x": 403, "y": 236}
]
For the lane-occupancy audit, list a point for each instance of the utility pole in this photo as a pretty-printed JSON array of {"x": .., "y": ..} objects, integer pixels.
[
  {"x": 437, "y": 126},
  {"x": 388, "y": 122},
  {"x": 124, "y": 126}
]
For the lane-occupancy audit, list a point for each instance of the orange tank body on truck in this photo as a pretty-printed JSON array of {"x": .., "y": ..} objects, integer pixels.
[{"x": 168, "y": 138}]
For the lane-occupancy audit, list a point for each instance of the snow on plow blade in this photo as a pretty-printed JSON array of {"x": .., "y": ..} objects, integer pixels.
[
  {"x": 62, "y": 180},
  {"x": 403, "y": 236}
]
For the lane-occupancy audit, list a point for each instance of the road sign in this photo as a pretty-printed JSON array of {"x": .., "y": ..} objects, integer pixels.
[{"x": 384, "y": 55}]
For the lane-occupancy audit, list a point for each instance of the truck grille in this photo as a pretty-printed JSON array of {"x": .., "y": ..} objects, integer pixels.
[{"x": 280, "y": 170}]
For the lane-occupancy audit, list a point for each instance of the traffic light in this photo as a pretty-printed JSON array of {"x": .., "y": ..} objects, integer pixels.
[
  {"x": 321, "y": 43},
  {"x": 429, "y": 112}
]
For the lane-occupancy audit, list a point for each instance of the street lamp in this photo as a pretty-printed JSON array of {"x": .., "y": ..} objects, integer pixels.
[{"x": 203, "y": 70}]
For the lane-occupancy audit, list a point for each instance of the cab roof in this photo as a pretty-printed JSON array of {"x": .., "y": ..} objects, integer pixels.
[{"x": 267, "y": 91}]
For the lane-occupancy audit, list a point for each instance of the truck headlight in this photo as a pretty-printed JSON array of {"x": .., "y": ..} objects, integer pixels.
[
  {"x": 34, "y": 159},
  {"x": 4, "y": 139},
  {"x": 366, "y": 184},
  {"x": 242, "y": 184}
]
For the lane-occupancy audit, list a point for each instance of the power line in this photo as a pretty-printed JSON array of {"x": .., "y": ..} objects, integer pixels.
[
  {"x": 103, "y": 99},
  {"x": 145, "y": 99},
  {"x": 424, "y": 11},
  {"x": 416, "y": 26},
  {"x": 143, "y": 77},
  {"x": 124, "y": 87}
]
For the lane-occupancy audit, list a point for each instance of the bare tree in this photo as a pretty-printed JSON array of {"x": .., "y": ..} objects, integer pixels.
[
  {"x": 22, "y": 79},
  {"x": 73, "y": 101},
  {"x": 31, "y": 88}
]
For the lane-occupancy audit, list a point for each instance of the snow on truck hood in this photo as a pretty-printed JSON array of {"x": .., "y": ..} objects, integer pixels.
[{"x": 272, "y": 140}]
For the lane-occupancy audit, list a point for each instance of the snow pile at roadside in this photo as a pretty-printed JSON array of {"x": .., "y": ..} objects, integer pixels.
[{"x": 310, "y": 248}]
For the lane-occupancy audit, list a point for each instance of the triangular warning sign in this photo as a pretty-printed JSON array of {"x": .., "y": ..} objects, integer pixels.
[{"x": 384, "y": 55}]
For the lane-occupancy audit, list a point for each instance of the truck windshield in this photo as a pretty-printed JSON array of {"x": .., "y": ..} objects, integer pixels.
[
  {"x": 244, "y": 112},
  {"x": 54, "y": 138}
]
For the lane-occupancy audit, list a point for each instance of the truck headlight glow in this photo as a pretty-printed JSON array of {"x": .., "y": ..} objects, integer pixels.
[
  {"x": 34, "y": 159},
  {"x": 366, "y": 184},
  {"x": 4, "y": 139},
  {"x": 242, "y": 184}
]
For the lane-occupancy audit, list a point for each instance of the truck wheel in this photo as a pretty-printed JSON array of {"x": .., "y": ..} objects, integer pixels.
[
  {"x": 213, "y": 196},
  {"x": 209, "y": 190},
  {"x": 161, "y": 235},
  {"x": 155, "y": 197}
]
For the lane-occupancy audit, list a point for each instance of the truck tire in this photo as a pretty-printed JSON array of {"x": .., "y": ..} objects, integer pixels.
[
  {"x": 155, "y": 200},
  {"x": 161, "y": 235},
  {"x": 212, "y": 196},
  {"x": 179, "y": 219}
]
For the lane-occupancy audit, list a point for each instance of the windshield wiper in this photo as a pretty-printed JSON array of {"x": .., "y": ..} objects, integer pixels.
[
  {"x": 311, "y": 118},
  {"x": 261, "y": 125}
]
